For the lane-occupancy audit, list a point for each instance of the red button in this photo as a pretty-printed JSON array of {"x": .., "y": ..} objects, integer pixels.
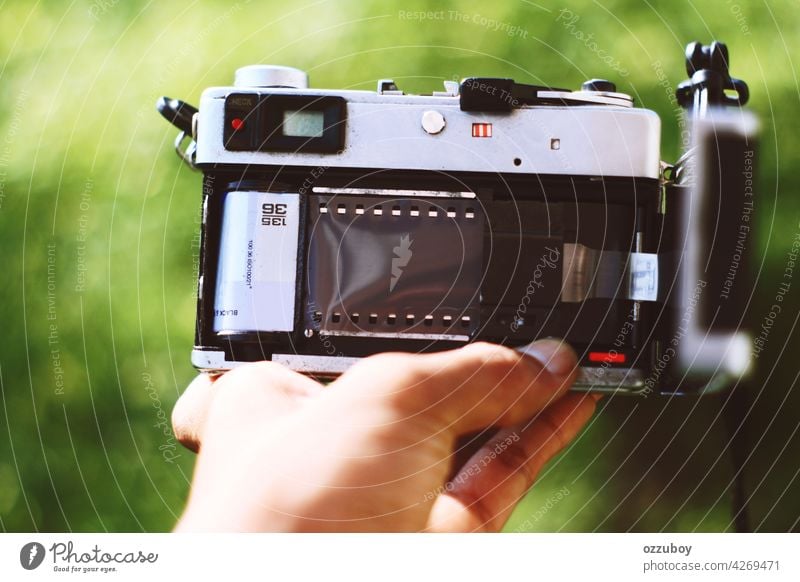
[
  {"x": 609, "y": 357},
  {"x": 236, "y": 123}
]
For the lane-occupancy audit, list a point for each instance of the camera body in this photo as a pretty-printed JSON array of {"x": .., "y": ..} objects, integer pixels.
[{"x": 338, "y": 224}]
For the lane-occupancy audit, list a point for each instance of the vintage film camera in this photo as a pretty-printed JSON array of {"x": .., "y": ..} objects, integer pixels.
[{"x": 338, "y": 224}]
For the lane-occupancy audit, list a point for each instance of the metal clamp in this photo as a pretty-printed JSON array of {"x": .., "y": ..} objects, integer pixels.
[{"x": 186, "y": 154}]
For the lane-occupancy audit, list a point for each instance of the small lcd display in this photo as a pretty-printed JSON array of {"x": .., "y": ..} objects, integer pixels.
[{"x": 303, "y": 123}]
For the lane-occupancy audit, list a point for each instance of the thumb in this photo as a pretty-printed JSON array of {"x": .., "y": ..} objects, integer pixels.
[{"x": 471, "y": 388}]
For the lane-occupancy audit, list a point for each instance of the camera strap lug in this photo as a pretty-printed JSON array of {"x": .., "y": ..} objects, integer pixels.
[
  {"x": 187, "y": 153},
  {"x": 184, "y": 117},
  {"x": 665, "y": 172},
  {"x": 666, "y": 178}
]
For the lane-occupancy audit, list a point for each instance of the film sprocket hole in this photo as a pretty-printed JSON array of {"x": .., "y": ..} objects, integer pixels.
[{"x": 339, "y": 224}]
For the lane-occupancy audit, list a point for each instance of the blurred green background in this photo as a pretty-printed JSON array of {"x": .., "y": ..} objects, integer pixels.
[{"x": 99, "y": 226}]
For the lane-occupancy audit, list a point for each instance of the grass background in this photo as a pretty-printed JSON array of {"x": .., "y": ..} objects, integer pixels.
[{"x": 89, "y": 188}]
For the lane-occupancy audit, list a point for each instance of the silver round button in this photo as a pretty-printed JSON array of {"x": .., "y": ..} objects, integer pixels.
[{"x": 433, "y": 122}]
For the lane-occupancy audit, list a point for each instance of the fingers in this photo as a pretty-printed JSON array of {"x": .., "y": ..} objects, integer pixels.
[
  {"x": 250, "y": 394},
  {"x": 485, "y": 491},
  {"x": 470, "y": 388}
]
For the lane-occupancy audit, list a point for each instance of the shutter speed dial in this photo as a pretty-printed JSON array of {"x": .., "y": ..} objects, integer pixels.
[{"x": 270, "y": 76}]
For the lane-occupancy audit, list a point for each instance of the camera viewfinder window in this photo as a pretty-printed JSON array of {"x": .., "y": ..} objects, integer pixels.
[{"x": 303, "y": 123}]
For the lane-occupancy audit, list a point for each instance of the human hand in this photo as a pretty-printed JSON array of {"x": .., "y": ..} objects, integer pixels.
[{"x": 372, "y": 450}]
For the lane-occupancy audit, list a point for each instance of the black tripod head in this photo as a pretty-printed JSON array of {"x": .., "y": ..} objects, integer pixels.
[{"x": 707, "y": 67}]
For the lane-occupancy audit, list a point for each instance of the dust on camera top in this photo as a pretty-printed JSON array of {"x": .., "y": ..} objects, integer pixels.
[{"x": 271, "y": 117}]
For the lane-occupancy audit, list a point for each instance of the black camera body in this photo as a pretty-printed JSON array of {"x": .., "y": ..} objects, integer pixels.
[{"x": 339, "y": 224}]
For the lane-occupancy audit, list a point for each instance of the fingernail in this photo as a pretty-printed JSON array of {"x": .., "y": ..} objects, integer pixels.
[{"x": 556, "y": 355}]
